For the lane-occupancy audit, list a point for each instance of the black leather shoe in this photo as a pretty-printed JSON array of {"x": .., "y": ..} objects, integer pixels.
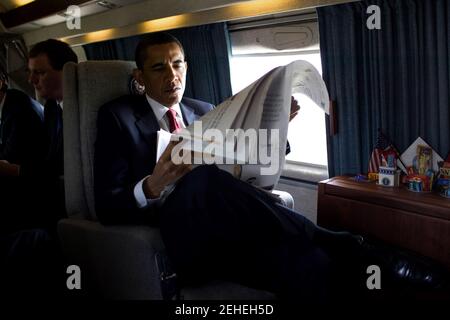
[
  {"x": 404, "y": 269},
  {"x": 403, "y": 273}
]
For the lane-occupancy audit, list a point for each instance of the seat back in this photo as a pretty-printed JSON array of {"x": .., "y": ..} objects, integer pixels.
[
  {"x": 117, "y": 262},
  {"x": 87, "y": 86}
]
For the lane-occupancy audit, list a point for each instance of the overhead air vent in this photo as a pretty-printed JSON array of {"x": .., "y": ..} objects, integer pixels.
[
  {"x": 275, "y": 34},
  {"x": 107, "y": 4},
  {"x": 63, "y": 14},
  {"x": 294, "y": 37}
]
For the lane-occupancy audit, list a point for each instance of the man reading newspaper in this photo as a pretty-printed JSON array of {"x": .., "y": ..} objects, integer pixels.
[{"x": 213, "y": 225}]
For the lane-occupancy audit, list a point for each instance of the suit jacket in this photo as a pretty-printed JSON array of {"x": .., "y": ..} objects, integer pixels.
[
  {"x": 22, "y": 136},
  {"x": 26, "y": 140},
  {"x": 125, "y": 153}
]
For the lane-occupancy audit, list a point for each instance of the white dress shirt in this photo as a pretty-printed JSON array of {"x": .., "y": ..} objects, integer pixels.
[{"x": 160, "y": 112}]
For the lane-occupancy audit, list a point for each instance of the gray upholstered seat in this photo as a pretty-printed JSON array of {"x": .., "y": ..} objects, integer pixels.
[{"x": 116, "y": 261}]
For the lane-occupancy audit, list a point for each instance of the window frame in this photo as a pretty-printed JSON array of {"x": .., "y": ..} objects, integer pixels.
[{"x": 293, "y": 170}]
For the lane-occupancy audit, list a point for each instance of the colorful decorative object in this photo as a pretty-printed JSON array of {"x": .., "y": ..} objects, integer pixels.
[
  {"x": 384, "y": 154},
  {"x": 420, "y": 183},
  {"x": 361, "y": 178},
  {"x": 415, "y": 184},
  {"x": 424, "y": 159},
  {"x": 410, "y": 156},
  {"x": 444, "y": 187},
  {"x": 424, "y": 166},
  {"x": 389, "y": 177},
  {"x": 389, "y": 158},
  {"x": 426, "y": 170},
  {"x": 443, "y": 182}
]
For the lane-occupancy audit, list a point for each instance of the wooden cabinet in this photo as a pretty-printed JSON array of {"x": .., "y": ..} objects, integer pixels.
[{"x": 415, "y": 221}]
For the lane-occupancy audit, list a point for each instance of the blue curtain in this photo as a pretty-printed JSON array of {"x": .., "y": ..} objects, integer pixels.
[
  {"x": 395, "y": 78},
  {"x": 207, "y": 51}
]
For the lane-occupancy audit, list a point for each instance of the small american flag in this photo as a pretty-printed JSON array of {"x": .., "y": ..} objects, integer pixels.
[{"x": 382, "y": 144}]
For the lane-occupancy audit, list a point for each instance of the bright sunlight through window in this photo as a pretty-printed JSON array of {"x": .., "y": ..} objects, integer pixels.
[{"x": 306, "y": 134}]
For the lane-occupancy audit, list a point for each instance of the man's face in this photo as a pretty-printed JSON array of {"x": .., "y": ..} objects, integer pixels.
[
  {"x": 46, "y": 80},
  {"x": 164, "y": 73}
]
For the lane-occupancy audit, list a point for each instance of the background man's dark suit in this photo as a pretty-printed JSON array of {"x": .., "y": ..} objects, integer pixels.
[
  {"x": 125, "y": 153},
  {"x": 21, "y": 131},
  {"x": 26, "y": 250},
  {"x": 29, "y": 245},
  {"x": 23, "y": 143},
  {"x": 34, "y": 199},
  {"x": 31, "y": 136}
]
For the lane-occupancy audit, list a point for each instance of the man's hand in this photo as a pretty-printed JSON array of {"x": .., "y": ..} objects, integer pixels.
[
  {"x": 295, "y": 108},
  {"x": 164, "y": 173},
  {"x": 8, "y": 169}
]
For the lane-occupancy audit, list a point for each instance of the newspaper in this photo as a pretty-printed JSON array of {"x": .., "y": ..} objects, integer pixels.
[{"x": 247, "y": 133}]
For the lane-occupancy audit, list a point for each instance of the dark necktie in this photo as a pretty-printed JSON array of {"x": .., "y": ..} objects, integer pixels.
[
  {"x": 173, "y": 123},
  {"x": 53, "y": 123}
]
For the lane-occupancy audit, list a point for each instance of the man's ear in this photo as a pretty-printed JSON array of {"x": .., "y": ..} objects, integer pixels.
[
  {"x": 137, "y": 74},
  {"x": 185, "y": 65}
]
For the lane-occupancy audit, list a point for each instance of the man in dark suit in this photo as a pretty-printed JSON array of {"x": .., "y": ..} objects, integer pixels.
[
  {"x": 213, "y": 225},
  {"x": 21, "y": 150},
  {"x": 26, "y": 250},
  {"x": 28, "y": 245},
  {"x": 45, "y": 64},
  {"x": 32, "y": 143},
  {"x": 131, "y": 187}
]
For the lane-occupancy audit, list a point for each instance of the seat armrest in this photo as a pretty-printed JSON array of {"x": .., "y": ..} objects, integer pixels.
[
  {"x": 118, "y": 262},
  {"x": 286, "y": 198}
]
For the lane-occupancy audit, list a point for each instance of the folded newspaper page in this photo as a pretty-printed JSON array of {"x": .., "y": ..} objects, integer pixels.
[{"x": 247, "y": 133}]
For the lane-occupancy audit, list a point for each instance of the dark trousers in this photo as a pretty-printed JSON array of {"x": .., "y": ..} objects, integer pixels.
[
  {"x": 31, "y": 263},
  {"x": 30, "y": 202},
  {"x": 215, "y": 226}
]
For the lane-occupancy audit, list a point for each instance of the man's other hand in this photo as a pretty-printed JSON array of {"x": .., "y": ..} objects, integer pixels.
[{"x": 164, "y": 173}]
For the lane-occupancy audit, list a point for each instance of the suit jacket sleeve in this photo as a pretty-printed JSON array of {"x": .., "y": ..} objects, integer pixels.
[
  {"x": 115, "y": 202},
  {"x": 34, "y": 146},
  {"x": 23, "y": 135}
]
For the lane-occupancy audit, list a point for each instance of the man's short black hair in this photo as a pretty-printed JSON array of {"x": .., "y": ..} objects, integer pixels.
[
  {"x": 151, "y": 40},
  {"x": 58, "y": 52}
]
